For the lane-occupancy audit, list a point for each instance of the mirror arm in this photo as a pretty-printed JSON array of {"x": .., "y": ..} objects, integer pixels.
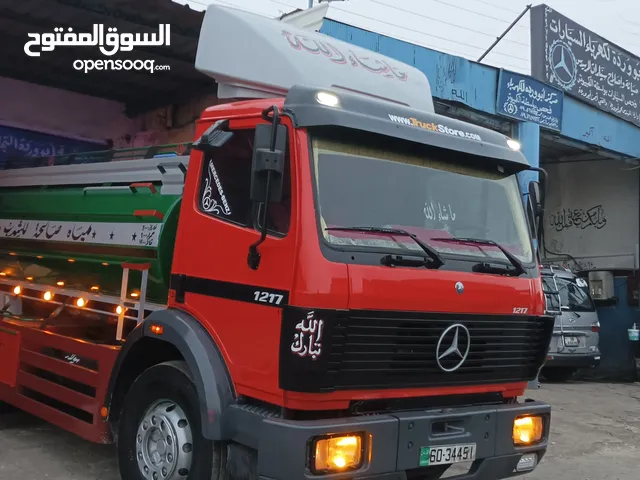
[{"x": 253, "y": 260}]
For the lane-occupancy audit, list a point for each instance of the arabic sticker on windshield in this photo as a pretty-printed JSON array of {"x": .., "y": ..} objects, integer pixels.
[{"x": 581, "y": 282}]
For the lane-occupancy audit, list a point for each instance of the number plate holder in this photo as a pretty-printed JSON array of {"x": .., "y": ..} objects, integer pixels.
[{"x": 447, "y": 454}]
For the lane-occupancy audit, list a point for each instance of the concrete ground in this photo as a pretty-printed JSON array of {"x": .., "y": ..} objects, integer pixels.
[{"x": 595, "y": 436}]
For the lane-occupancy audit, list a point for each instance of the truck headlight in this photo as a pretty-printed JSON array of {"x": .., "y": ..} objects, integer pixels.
[
  {"x": 527, "y": 430},
  {"x": 337, "y": 453}
]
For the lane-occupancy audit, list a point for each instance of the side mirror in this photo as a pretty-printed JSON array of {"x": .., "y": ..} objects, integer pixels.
[
  {"x": 267, "y": 169},
  {"x": 268, "y": 163},
  {"x": 535, "y": 194},
  {"x": 538, "y": 191},
  {"x": 537, "y": 208},
  {"x": 531, "y": 217},
  {"x": 213, "y": 137}
]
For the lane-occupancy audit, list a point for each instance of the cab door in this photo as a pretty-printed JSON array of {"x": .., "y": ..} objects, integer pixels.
[{"x": 240, "y": 306}]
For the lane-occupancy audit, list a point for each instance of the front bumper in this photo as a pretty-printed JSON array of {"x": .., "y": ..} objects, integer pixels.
[
  {"x": 283, "y": 445},
  {"x": 572, "y": 360}
]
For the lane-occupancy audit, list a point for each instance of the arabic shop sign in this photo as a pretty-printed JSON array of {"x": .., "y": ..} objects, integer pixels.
[
  {"x": 19, "y": 144},
  {"x": 583, "y": 64},
  {"x": 524, "y": 98}
]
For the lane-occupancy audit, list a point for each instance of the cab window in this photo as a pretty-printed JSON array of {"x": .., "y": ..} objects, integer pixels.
[{"x": 225, "y": 182}]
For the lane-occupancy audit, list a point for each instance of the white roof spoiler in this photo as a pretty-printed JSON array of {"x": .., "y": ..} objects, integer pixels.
[{"x": 256, "y": 57}]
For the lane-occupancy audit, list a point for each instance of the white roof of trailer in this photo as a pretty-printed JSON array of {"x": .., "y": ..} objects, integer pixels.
[{"x": 257, "y": 57}]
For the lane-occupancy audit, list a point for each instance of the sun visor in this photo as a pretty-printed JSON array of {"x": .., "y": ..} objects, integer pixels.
[{"x": 251, "y": 56}]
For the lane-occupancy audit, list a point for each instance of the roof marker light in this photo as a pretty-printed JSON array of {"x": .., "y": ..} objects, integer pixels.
[
  {"x": 513, "y": 144},
  {"x": 327, "y": 99}
]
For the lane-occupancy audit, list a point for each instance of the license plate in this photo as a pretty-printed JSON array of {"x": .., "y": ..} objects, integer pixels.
[
  {"x": 447, "y": 454},
  {"x": 571, "y": 342}
]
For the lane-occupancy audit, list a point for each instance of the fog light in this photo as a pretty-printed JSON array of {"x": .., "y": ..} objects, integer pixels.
[
  {"x": 527, "y": 463},
  {"x": 338, "y": 453},
  {"x": 527, "y": 430}
]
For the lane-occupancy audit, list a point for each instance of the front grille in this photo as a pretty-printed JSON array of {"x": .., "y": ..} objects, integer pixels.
[{"x": 386, "y": 350}]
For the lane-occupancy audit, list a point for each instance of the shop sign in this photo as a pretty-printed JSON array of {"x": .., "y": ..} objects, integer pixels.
[
  {"x": 585, "y": 65},
  {"x": 529, "y": 100}
]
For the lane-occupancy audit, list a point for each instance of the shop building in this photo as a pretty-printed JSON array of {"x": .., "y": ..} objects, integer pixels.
[{"x": 588, "y": 144}]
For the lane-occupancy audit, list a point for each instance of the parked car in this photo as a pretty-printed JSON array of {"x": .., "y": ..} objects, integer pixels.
[{"x": 575, "y": 340}]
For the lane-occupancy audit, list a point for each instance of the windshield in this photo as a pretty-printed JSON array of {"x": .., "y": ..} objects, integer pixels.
[
  {"x": 368, "y": 180},
  {"x": 574, "y": 296}
]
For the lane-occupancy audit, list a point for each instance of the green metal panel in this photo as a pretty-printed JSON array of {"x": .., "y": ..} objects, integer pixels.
[{"x": 102, "y": 232}]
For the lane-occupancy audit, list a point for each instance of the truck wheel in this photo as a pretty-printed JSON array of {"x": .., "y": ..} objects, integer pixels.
[{"x": 160, "y": 434}]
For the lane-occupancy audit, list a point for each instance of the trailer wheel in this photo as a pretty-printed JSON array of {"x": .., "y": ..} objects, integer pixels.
[{"x": 159, "y": 434}]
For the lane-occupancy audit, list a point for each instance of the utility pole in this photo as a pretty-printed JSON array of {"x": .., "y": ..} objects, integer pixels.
[{"x": 504, "y": 33}]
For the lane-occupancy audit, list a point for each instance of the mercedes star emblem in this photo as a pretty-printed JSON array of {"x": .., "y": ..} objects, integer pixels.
[
  {"x": 453, "y": 348},
  {"x": 459, "y": 287},
  {"x": 563, "y": 64}
]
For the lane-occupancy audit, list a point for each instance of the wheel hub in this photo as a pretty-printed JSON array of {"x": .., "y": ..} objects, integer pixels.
[{"x": 164, "y": 442}]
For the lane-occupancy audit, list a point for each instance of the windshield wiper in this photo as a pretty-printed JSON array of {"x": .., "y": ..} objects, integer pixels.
[
  {"x": 517, "y": 264},
  {"x": 436, "y": 259}
]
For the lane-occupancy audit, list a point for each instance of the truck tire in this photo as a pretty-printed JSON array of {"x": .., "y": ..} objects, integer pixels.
[{"x": 160, "y": 432}]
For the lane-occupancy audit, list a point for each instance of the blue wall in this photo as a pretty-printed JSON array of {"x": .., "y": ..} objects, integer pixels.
[
  {"x": 584, "y": 123},
  {"x": 615, "y": 347},
  {"x": 473, "y": 84}
]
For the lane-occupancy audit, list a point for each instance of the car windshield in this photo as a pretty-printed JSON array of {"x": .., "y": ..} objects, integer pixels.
[
  {"x": 367, "y": 180},
  {"x": 574, "y": 294}
]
